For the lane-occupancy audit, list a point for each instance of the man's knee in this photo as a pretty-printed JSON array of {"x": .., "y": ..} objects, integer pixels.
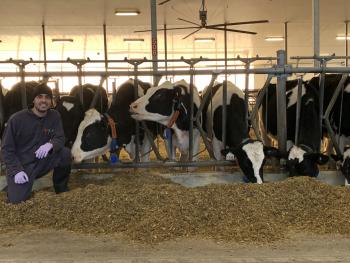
[{"x": 17, "y": 193}]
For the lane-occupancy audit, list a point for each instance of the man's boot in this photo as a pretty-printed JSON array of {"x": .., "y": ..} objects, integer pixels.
[{"x": 61, "y": 178}]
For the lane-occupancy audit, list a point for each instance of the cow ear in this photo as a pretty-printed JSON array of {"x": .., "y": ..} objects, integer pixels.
[
  {"x": 336, "y": 157},
  {"x": 271, "y": 152}
]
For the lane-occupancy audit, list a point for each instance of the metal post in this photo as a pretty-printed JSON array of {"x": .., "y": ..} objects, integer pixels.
[
  {"x": 156, "y": 77},
  {"x": 321, "y": 100},
  {"x": 346, "y": 42},
  {"x": 286, "y": 40},
  {"x": 206, "y": 96},
  {"x": 165, "y": 51},
  {"x": 81, "y": 95},
  {"x": 105, "y": 52},
  {"x": 224, "y": 96},
  {"x": 281, "y": 104},
  {"x": 246, "y": 95},
  {"x": 137, "y": 125},
  {"x": 316, "y": 29},
  {"x": 105, "y": 46},
  {"x": 190, "y": 152},
  {"x": 297, "y": 119},
  {"x": 339, "y": 88},
  {"x": 258, "y": 102},
  {"x": 2, "y": 114},
  {"x": 44, "y": 45},
  {"x": 23, "y": 85}
]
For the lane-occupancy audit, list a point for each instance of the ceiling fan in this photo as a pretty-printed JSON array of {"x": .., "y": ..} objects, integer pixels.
[{"x": 203, "y": 23}]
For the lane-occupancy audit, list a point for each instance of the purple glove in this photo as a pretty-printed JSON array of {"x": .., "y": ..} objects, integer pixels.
[
  {"x": 43, "y": 150},
  {"x": 21, "y": 177}
]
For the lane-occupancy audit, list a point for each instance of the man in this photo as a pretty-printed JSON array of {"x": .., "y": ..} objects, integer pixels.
[{"x": 32, "y": 145}]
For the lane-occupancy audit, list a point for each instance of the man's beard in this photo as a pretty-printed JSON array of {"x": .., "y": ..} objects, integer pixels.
[{"x": 42, "y": 111}]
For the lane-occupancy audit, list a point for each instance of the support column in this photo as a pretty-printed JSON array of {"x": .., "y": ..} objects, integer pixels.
[
  {"x": 156, "y": 78},
  {"x": 281, "y": 104},
  {"x": 316, "y": 29}
]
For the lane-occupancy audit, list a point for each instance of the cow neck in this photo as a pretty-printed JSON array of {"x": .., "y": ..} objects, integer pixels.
[
  {"x": 176, "y": 105},
  {"x": 112, "y": 125}
]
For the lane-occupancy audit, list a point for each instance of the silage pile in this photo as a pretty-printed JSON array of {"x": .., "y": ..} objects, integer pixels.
[{"x": 151, "y": 209}]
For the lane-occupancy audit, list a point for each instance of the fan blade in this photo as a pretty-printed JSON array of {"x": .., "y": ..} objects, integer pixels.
[
  {"x": 188, "y": 21},
  {"x": 241, "y": 23},
  {"x": 231, "y": 30},
  {"x": 162, "y": 3},
  {"x": 192, "y": 33},
  {"x": 173, "y": 28}
]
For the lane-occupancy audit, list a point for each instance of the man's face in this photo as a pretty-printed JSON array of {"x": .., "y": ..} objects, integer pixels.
[{"x": 42, "y": 103}]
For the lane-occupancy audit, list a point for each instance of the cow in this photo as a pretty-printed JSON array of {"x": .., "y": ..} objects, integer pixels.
[
  {"x": 340, "y": 126},
  {"x": 12, "y": 100},
  {"x": 249, "y": 153},
  {"x": 169, "y": 105},
  {"x": 303, "y": 158},
  {"x": 72, "y": 110},
  {"x": 94, "y": 133}
]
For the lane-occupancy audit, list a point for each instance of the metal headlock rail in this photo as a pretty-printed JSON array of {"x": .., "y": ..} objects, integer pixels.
[{"x": 281, "y": 70}]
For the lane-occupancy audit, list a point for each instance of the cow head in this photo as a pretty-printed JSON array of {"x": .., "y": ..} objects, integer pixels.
[
  {"x": 93, "y": 138},
  {"x": 72, "y": 114},
  {"x": 303, "y": 161},
  {"x": 345, "y": 163},
  {"x": 251, "y": 158},
  {"x": 158, "y": 104}
]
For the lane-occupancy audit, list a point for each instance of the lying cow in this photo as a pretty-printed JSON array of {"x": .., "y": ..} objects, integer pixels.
[
  {"x": 94, "y": 134},
  {"x": 249, "y": 153},
  {"x": 72, "y": 110},
  {"x": 303, "y": 158},
  {"x": 169, "y": 105}
]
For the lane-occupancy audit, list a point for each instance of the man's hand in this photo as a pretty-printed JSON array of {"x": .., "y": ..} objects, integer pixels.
[
  {"x": 43, "y": 150},
  {"x": 21, "y": 177}
]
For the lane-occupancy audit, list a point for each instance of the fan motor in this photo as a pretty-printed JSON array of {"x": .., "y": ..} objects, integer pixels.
[{"x": 203, "y": 17}]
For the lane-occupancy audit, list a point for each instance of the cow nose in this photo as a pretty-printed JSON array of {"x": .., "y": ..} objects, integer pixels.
[{"x": 133, "y": 106}]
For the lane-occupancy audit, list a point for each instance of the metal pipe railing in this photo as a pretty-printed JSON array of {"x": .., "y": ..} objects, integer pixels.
[
  {"x": 207, "y": 96},
  {"x": 257, "y": 105},
  {"x": 328, "y": 111},
  {"x": 151, "y": 164},
  {"x": 297, "y": 119}
]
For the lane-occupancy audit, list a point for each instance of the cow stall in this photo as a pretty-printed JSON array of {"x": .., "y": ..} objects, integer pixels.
[{"x": 280, "y": 71}]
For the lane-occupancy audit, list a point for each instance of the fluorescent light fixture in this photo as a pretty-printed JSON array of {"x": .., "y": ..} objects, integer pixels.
[
  {"x": 133, "y": 40},
  {"x": 274, "y": 38},
  {"x": 127, "y": 12},
  {"x": 342, "y": 37},
  {"x": 62, "y": 40},
  {"x": 204, "y": 39}
]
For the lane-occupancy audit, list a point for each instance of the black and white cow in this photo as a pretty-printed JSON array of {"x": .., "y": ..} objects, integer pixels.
[
  {"x": 161, "y": 103},
  {"x": 72, "y": 110},
  {"x": 249, "y": 153},
  {"x": 94, "y": 135},
  {"x": 12, "y": 100},
  {"x": 303, "y": 158},
  {"x": 340, "y": 126}
]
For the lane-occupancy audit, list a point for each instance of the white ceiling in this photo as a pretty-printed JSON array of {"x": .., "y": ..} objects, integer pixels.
[{"x": 22, "y": 19}]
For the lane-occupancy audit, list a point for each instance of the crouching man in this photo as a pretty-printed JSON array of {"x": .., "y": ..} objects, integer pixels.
[{"x": 32, "y": 145}]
